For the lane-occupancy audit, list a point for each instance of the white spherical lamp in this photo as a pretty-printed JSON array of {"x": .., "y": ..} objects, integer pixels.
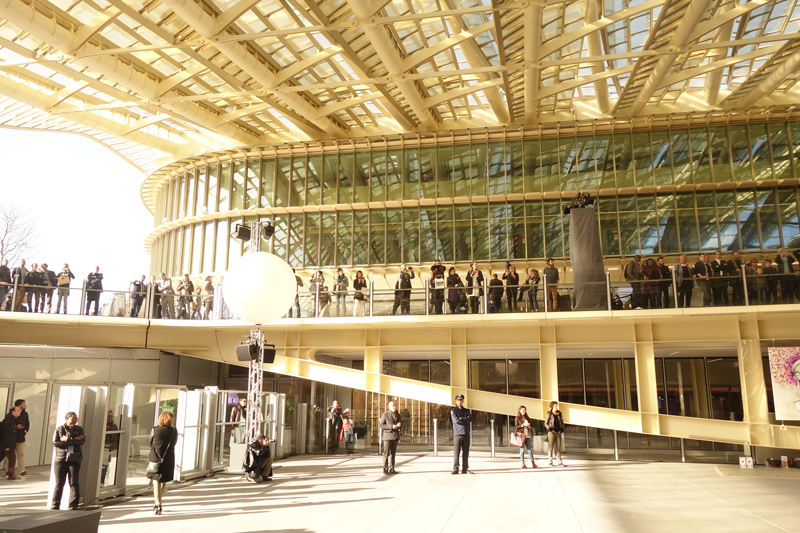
[{"x": 259, "y": 287}]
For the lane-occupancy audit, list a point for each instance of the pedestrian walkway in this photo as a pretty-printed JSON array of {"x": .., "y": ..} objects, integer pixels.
[{"x": 349, "y": 494}]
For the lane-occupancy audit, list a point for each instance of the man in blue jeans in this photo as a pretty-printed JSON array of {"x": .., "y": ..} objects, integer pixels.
[{"x": 461, "y": 418}]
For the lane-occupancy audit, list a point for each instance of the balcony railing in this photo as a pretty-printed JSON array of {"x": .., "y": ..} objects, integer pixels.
[{"x": 542, "y": 297}]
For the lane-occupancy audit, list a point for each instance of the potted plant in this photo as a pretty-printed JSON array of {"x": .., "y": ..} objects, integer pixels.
[
  {"x": 539, "y": 438},
  {"x": 362, "y": 432}
]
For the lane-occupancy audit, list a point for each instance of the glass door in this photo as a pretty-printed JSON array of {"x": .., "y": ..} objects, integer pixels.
[{"x": 193, "y": 426}]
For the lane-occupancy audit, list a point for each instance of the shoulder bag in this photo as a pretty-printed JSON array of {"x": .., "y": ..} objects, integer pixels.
[
  {"x": 517, "y": 439},
  {"x": 155, "y": 467}
]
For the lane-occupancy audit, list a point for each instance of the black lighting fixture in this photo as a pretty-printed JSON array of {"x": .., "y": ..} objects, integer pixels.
[
  {"x": 250, "y": 352},
  {"x": 243, "y": 233}
]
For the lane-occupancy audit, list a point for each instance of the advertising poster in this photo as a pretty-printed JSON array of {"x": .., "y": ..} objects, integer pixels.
[{"x": 784, "y": 366}]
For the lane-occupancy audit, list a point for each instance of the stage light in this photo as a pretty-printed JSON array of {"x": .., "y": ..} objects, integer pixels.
[
  {"x": 250, "y": 352},
  {"x": 268, "y": 230},
  {"x": 241, "y": 232}
]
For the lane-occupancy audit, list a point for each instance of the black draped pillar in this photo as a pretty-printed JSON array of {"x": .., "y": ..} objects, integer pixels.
[{"x": 587, "y": 260}]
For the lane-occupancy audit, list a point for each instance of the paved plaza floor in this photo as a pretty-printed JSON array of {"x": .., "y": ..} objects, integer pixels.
[{"x": 350, "y": 494}]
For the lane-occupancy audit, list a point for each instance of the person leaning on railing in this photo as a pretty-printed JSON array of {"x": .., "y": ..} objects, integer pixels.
[
  {"x": 340, "y": 285},
  {"x": 49, "y": 281},
  {"x": 455, "y": 291},
  {"x": 531, "y": 287},
  {"x": 551, "y": 279},
  {"x": 33, "y": 293},
  {"x": 5, "y": 282},
  {"x": 474, "y": 286},
  {"x": 437, "y": 285}
]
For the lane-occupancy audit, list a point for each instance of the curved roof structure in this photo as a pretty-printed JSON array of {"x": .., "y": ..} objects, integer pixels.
[{"x": 164, "y": 79}]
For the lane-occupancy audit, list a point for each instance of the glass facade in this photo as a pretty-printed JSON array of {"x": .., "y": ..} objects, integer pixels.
[{"x": 687, "y": 214}]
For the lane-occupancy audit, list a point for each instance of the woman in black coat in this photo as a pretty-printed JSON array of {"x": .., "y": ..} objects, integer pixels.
[{"x": 162, "y": 451}]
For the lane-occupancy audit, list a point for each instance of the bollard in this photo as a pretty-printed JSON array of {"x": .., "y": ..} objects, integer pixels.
[
  {"x": 492, "y": 439},
  {"x": 435, "y": 438}
]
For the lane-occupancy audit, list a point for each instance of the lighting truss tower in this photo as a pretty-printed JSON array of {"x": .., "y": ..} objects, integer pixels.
[{"x": 255, "y": 381}]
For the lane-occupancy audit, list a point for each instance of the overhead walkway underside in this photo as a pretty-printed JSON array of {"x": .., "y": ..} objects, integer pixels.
[{"x": 300, "y": 341}]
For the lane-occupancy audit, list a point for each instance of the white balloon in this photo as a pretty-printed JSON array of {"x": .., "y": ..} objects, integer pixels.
[{"x": 259, "y": 287}]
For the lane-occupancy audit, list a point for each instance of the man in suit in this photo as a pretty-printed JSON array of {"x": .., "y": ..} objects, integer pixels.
[
  {"x": 771, "y": 273},
  {"x": 633, "y": 275},
  {"x": 684, "y": 283},
  {"x": 720, "y": 284},
  {"x": 735, "y": 267},
  {"x": 390, "y": 425},
  {"x": 704, "y": 273},
  {"x": 461, "y": 418}
]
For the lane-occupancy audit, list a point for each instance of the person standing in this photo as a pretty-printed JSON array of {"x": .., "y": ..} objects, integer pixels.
[
  {"x": 155, "y": 306},
  {"x": 551, "y": 279},
  {"x": 349, "y": 429},
  {"x": 495, "y": 295},
  {"x": 524, "y": 425},
  {"x": 8, "y": 441},
  {"x": 34, "y": 291},
  {"x": 64, "y": 279},
  {"x": 554, "y": 424},
  {"x": 186, "y": 290},
  {"x": 512, "y": 287},
  {"x": 137, "y": 296},
  {"x": 359, "y": 284},
  {"x": 315, "y": 285},
  {"x": 475, "y": 286},
  {"x": 208, "y": 297},
  {"x": 49, "y": 283},
  {"x": 633, "y": 275},
  {"x": 390, "y": 425},
  {"x": 340, "y": 285},
  {"x": 771, "y": 273},
  {"x": 684, "y": 283},
  {"x": 455, "y": 289},
  {"x": 335, "y": 427},
  {"x": 704, "y": 273},
  {"x": 437, "y": 293},
  {"x": 167, "y": 297},
  {"x": 5, "y": 282},
  {"x": 18, "y": 275},
  {"x": 783, "y": 264},
  {"x": 68, "y": 440},
  {"x": 162, "y": 451},
  {"x": 664, "y": 284},
  {"x": 531, "y": 286},
  {"x": 437, "y": 268},
  {"x": 650, "y": 289},
  {"x": 719, "y": 284},
  {"x": 94, "y": 286},
  {"x": 239, "y": 417},
  {"x": 23, "y": 426},
  {"x": 461, "y": 417},
  {"x": 300, "y": 285},
  {"x": 737, "y": 283}
]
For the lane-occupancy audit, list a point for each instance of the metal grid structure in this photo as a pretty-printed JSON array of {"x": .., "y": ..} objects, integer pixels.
[{"x": 160, "y": 80}]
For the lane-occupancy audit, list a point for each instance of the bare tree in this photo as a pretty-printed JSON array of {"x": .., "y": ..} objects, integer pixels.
[{"x": 19, "y": 234}]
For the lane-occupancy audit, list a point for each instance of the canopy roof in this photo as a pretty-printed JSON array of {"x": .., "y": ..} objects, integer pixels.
[{"x": 163, "y": 79}]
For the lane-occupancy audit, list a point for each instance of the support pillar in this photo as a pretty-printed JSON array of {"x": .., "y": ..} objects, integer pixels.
[
  {"x": 751, "y": 374},
  {"x": 373, "y": 366},
  {"x": 647, "y": 388},
  {"x": 548, "y": 361}
]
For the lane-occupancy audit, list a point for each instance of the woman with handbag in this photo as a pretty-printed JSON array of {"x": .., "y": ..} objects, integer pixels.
[
  {"x": 161, "y": 467},
  {"x": 524, "y": 428},
  {"x": 358, "y": 296},
  {"x": 68, "y": 440}
]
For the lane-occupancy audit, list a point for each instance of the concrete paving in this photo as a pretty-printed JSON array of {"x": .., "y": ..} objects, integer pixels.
[{"x": 349, "y": 494}]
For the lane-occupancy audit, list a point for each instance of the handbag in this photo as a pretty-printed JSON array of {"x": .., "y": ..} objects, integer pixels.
[{"x": 517, "y": 439}]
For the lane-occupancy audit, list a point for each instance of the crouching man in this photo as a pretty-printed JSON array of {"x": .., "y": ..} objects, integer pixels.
[{"x": 258, "y": 461}]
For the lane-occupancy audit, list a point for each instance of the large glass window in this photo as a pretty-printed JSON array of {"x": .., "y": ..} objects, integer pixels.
[
  {"x": 427, "y": 234},
  {"x": 295, "y": 240},
  {"x": 686, "y": 387},
  {"x": 570, "y": 381},
  {"x": 725, "y": 389},
  {"x": 427, "y": 172},
  {"x": 790, "y": 225},
  {"x": 444, "y": 248},
  {"x": 759, "y": 143},
  {"x": 314, "y": 180},
  {"x": 461, "y": 170},
  {"x": 377, "y": 177},
  {"x": 643, "y": 159},
  {"x": 327, "y": 245},
  {"x": 377, "y": 230},
  {"x": 297, "y": 185},
  {"x": 514, "y": 177},
  {"x": 488, "y": 375},
  {"x": 283, "y": 173},
  {"x": 444, "y": 171},
  {"x": 361, "y": 177},
  {"x": 344, "y": 238},
  {"x": 253, "y": 183},
  {"x": 312, "y": 234},
  {"x": 534, "y": 229},
  {"x": 394, "y": 236},
  {"x": 411, "y": 174},
  {"x": 360, "y": 237},
  {"x": 330, "y": 164},
  {"x": 532, "y": 166},
  {"x": 781, "y": 153},
  {"x": 523, "y": 378},
  {"x": 238, "y": 184},
  {"x": 463, "y": 233},
  {"x": 480, "y": 232},
  {"x": 623, "y": 160},
  {"x": 604, "y": 383},
  {"x": 346, "y": 166},
  {"x": 411, "y": 235},
  {"x": 497, "y": 168},
  {"x": 394, "y": 175},
  {"x": 267, "y": 182}
]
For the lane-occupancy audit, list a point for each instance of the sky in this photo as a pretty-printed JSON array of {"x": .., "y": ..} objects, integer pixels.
[{"x": 85, "y": 200}]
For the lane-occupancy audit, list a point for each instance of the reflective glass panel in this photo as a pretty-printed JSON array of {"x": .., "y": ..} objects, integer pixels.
[
  {"x": 768, "y": 217},
  {"x": 463, "y": 233},
  {"x": 759, "y": 145},
  {"x": 681, "y": 161},
  {"x": 461, "y": 170},
  {"x": 568, "y": 151},
  {"x": 267, "y": 182},
  {"x": 444, "y": 171},
  {"x": 720, "y": 154},
  {"x": 478, "y": 164},
  {"x": 238, "y": 184},
  {"x": 604, "y": 383},
  {"x": 295, "y": 240},
  {"x": 394, "y": 236},
  {"x": 377, "y": 177},
  {"x": 662, "y": 158},
  {"x": 283, "y": 173},
  {"x": 330, "y": 164},
  {"x": 346, "y": 162},
  {"x": 488, "y": 375},
  {"x": 748, "y": 222},
  {"x": 643, "y": 159},
  {"x": 701, "y": 165},
  {"x": 532, "y": 164},
  {"x": 314, "y": 180},
  {"x": 361, "y": 177},
  {"x": 411, "y": 235},
  {"x": 394, "y": 175},
  {"x": 253, "y": 179},
  {"x": 725, "y": 388},
  {"x": 781, "y": 155},
  {"x": 360, "y": 237},
  {"x": 523, "y": 378},
  {"x": 570, "y": 381},
  {"x": 312, "y": 234},
  {"x": 496, "y": 161},
  {"x": 623, "y": 160},
  {"x": 534, "y": 229},
  {"x": 377, "y": 230},
  {"x": 740, "y": 153},
  {"x": 427, "y": 172},
  {"x": 444, "y": 248},
  {"x": 344, "y": 238},
  {"x": 411, "y": 174},
  {"x": 514, "y": 177},
  {"x": 726, "y": 218},
  {"x": 327, "y": 244},
  {"x": 788, "y": 210},
  {"x": 686, "y": 387},
  {"x": 548, "y": 165},
  {"x": 480, "y": 232}
]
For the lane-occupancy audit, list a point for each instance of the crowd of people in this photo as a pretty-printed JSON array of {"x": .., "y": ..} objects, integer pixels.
[
  {"x": 721, "y": 281},
  {"x": 33, "y": 289}
]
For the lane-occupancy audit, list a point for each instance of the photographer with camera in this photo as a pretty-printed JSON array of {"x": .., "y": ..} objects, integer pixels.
[
  {"x": 137, "y": 296},
  {"x": 437, "y": 268},
  {"x": 340, "y": 285},
  {"x": 531, "y": 286},
  {"x": 512, "y": 286}
]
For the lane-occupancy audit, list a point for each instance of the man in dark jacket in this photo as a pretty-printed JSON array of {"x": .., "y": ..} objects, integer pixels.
[
  {"x": 94, "y": 286},
  {"x": 138, "y": 289},
  {"x": 68, "y": 440},
  {"x": 23, "y": 426},
  {"x": 8, "y": 441},
  {"x": 719, "y": 284},
  {"x": 783, "y": 264},
  {"x": 49, "y": 283},
  {"x": 684, "y": 283},
  {"x": 704, "y": 273},
  {"x": 258, "y": 461},
  {"x": 390, "y": 425},
  {"x": 663, "y": 286},
  {"x": 554, "y": 424},
  {"x": 336, "y": 427},
  {"x": 495, "y": 295},
  {"x": 633, "y": 275},
  {"x": 461, "y": 418},
  {"x": 239, "y": 417},
  {"x": 735, "y": 267},
  {"x": 18, "y": 275},
  {"x": 33, "y": 291},
  {"x": 551, "y": 283}
]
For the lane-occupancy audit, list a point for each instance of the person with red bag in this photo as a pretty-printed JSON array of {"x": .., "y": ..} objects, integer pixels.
[{"x": 524, "y": 429}]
